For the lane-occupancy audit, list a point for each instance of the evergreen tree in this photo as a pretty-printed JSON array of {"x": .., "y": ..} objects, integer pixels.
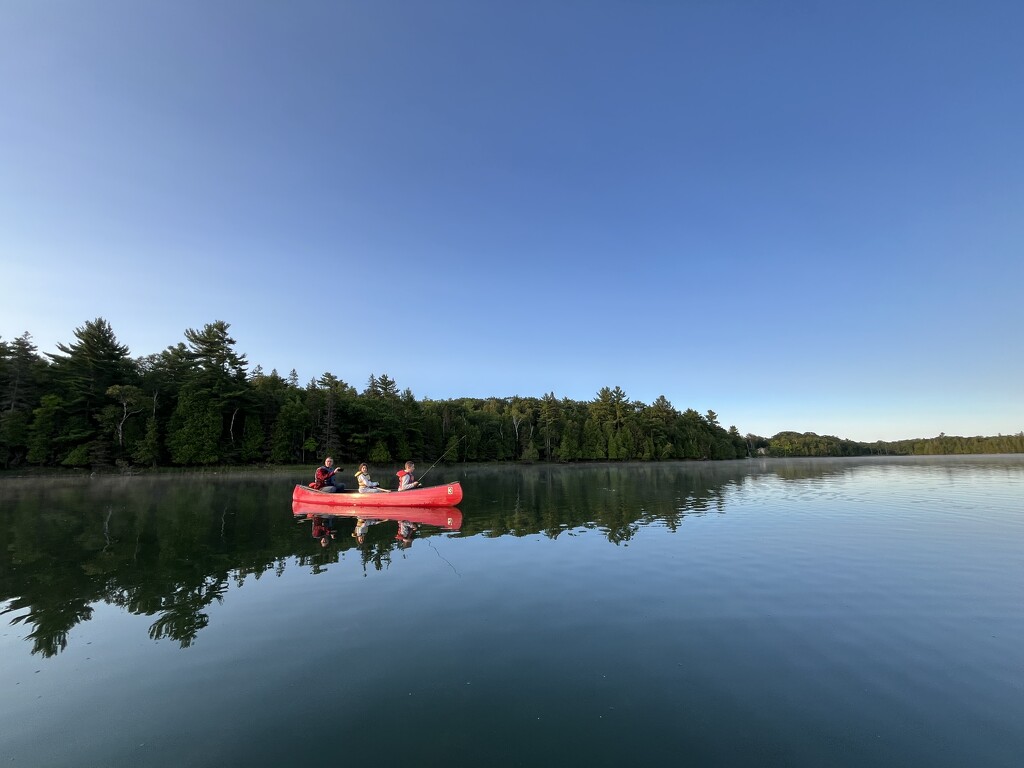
[
  {"x": 14, "y": 437},
  {"x": 570, "y": 449},
  {"x": 84, "y": 370},
  {"x": 694, "y": 435},
  {"x": 530, "y": 452},
  {"x": 23, "y": 378},
  {"x": 221, "y": 375},
  {"x": 252, "y": 440},
  {"x": 550, "y": 424},
  {"x": 269, "y": 394},
  {"x": 195, "y": 428},
  {"x": 43, "y": 432},
  {"x": 595, "y": 443},
  {"x": 147, "y": 450},
  {"x": 289, "y": 442},
  {"x": 380, "y": 453},
  {"x": 22, "y": 373}
]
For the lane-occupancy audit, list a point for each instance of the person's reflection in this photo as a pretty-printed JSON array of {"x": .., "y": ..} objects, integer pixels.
[
  {"x": 406, "y": 531},
  {"x": 362, "y": 526},
  {"x": 323, "y": 529}
]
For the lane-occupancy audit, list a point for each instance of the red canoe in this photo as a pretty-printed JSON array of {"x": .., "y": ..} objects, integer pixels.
[
  {"x": 435, "y": 496},
  {"x": 442, "y": 517}
]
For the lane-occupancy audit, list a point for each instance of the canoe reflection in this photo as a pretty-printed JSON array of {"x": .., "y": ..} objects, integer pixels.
[{"x": 449, "y": 518}]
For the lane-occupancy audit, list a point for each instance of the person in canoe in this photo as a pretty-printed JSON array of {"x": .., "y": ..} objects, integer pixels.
[
  {"x": 366, "y": 485},
  {"x": 406, "y": 481},
  {"x": 324, "y": 478}
]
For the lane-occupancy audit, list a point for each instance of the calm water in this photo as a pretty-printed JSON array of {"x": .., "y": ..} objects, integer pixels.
[{"x": 791, "y": 613}]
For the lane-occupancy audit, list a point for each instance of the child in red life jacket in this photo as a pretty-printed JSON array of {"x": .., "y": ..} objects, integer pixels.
[{"x": 406, "y": 481}]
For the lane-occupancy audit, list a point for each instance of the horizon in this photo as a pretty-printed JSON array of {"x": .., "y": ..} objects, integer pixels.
[{"x": 805, "y": 218}]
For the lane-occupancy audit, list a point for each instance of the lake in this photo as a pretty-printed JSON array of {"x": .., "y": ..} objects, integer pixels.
[{"x": 814, "y": 612}]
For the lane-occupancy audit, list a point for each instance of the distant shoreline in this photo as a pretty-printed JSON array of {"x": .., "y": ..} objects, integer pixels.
[{"x": 299, "y": 472}]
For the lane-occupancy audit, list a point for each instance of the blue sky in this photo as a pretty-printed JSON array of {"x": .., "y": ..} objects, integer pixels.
[{"x": 803, "y": 215}]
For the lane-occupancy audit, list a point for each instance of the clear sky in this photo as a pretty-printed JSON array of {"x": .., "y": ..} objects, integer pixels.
[{"x": 803, "y": 215}]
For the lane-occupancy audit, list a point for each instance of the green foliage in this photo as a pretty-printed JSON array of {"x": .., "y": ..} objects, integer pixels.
[
  {"x": 195, "y": 404},
  {"x": 129, "y": 401},
  {"x": 380, "y": 453},
  {"x": 80, "y": 456},
  {"x": 85, "y": 370},
  {"x": 23, "y": 374},
  {"x": 147, "y": 450},
  {"x": 811, "y": 444},
  {"x": 14, "y": 436},
  {"x": 530, "y": 452},
  {"x": 212, "y": 352},
  {"x": 290, "y": 439},
  {"x": 569, "y": 449},
  {"x": 42, "y": 434},
  {"x": 195, "y": 429},
  {"x": 252, "y": 440}
]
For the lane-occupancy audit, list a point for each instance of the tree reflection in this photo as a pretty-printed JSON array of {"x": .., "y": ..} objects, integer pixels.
[
  {"x": 179, "y": 607},
  {"x": 182, "y": 615},
  {"x": 50, "y": 623},
  {"x": 169, "y": 547}
]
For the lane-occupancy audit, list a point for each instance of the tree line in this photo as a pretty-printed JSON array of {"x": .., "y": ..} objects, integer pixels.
[
  {"x": 196, "y": 403},
  {"x": 811, "y": 444}
]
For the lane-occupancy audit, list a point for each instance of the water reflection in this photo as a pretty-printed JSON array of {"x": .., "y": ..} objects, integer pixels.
[
  {"x": 168, "y": 547},
  {"x": 616, "y": 500},
  {"x": 322, "y": 528},
  {"x": 374, "y": 532},
  {"x": 448, "y": 518},
  {"x": 406, "y": 531},
  {"x": 362, "y": 528}
]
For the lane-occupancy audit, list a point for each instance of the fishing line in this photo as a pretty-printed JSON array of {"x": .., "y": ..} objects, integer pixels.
[
  {"x": 443, "y": 558},
  {"x": 454, "y": 445}
]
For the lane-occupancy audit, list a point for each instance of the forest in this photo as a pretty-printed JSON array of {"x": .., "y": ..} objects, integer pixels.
[{"x": 92, "y": 405}]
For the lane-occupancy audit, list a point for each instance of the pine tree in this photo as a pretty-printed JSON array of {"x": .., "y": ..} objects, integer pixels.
[
  {"x": 195, "y": 429},
  {"x": 220, "y": 373},
  {"x": 252, "y": 440},
  {"x": 147, "y": 450},
  {"x": 84, "y": 371},
  {"x": 42, "y": 434}
]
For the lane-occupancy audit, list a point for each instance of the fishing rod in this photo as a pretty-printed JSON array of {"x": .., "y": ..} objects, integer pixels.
[{"x": 453, "y": 445}]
